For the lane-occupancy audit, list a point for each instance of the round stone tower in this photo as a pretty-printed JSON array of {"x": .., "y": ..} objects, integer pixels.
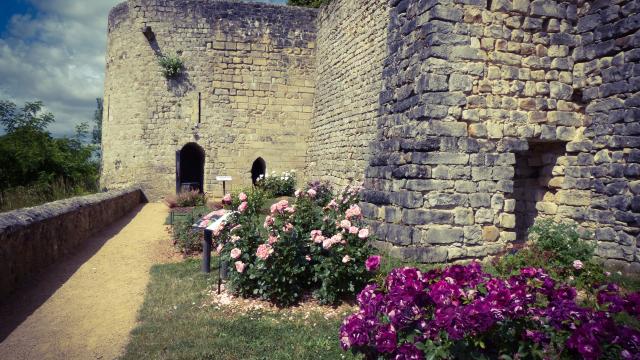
[{"x": 245, "y": 92}]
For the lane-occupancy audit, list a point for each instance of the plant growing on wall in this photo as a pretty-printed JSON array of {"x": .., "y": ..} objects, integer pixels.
[
  {"x": 308, "y": 3},
  {"x": 171, "y": 65}
]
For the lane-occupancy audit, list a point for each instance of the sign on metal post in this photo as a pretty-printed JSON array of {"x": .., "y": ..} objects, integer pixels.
[
  {"x": 224, "y": 180},
  {"x": 209, "y": 223}
]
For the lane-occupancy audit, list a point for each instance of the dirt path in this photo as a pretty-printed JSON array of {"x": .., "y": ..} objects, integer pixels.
[{"x": 85, "y": 306}]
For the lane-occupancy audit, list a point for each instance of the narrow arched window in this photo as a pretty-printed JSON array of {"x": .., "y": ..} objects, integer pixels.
[{"x": 259, "y": 168}]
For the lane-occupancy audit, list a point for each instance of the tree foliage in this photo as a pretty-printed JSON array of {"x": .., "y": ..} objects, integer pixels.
[
  {"x": 29, "y": 155},
  {"x": 308, "y": 3}
]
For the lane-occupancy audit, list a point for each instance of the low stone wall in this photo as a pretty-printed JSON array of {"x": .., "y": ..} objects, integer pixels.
[{"x": 33, "y": 238}]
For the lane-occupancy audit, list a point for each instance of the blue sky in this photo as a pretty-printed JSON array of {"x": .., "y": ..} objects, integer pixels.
[{"x": 53, "y": 50}]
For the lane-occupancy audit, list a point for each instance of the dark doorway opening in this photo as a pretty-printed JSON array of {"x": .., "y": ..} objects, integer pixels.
[
  {"x": 537, "y": 178},
  {"x": 258, "y": 168},
  {"x": 190, "y": 168}
]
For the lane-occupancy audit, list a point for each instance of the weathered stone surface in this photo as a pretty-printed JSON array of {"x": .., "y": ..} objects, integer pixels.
[
  {"x": 442, "y": 235},
  {"x": 490, "y": 233},
  {"x": 56, "y": 229}
]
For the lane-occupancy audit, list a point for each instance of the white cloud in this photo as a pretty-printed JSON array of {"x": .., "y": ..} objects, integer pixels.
[{"x": 57, "y": 56}]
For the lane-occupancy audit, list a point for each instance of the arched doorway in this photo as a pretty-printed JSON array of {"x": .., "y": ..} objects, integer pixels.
[
  {"x": 258, "y": 168},
  {"x": 190, "y": 168}
]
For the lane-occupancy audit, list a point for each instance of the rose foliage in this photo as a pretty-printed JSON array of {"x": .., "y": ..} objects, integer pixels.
[
  {"x": 461, "y": 312},
  {"x": 313, "y": 245}
]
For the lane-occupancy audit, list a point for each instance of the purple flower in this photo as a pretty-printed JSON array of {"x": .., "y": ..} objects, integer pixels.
[
  {"x": 536, "y": 336},
  {"x": 408, "y": 351},
  {"x": 353, "y": 332},
  {"x": 386, "y": 339},
  {"x": 372, "y": 263}
]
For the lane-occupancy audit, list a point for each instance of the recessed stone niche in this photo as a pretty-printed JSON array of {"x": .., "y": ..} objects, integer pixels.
[{"x": 538, "y": 175}]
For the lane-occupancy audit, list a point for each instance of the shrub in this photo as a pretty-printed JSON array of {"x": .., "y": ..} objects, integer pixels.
[
  {"x": 186, "y": 199},
  {"x": 557, "y": 248},
  {"x": 308, "y": 3},
  {"x": 278, "y": 185},
  {"x": 171, "y": 65},
  {"x": 298, "y": 248},
  {"x": 563, "y": 240},
  {"x": 462, "y": 312},
  {"x": 323, "y": 191},
  {"x": 185, "y": 238}
]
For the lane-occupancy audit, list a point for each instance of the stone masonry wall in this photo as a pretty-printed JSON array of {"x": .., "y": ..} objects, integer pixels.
[
  {"x": 351, "y": 47},
  {"x": 607, "y": 72},
  {"x": 33, "y": 238},
  {"x": 470, "y": 88},
  {"x": 246, "y": 92}
]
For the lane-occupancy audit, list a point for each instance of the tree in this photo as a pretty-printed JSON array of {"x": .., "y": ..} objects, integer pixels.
[
  {"x": 308, "y": 3},
  {"x": 29, "y": 155},
  {"x": 29, "y": 116}
]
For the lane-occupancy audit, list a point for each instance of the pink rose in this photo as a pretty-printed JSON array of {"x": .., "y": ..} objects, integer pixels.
[
  {"x": 346, "y": 259},
  {"x": 363, "y": 233},
  {"x": 240, "y": 266},
  {"x": 297, "y": 193},
  {"x": 290, "y": 210},
  {"x": 372, "y": 263},
  {"x": 353, "y": 212},
  {"x": 218, "y": 249},
  {"x": 311, "y": 193},
  {"x": 242, "y": 196},
  {"x": 327, "y": 244},
  {"x": 315, "y": 234},
  {"x": 287, "y": 227},
  {"x": 319, "y": 239},
  {"x": 234, "y": 238},
  {"x": 218, "y": 229},
  {"x": 353, "y": 230},
  {"x": 243, "y": 207},
  {"x": 577, "y": 264},
  {"x": 235, "y": 253},
  {"x": 332, "y": 204},
  {"x": 226, "y": 199},
  {"x": 264, "y": 251},
  {"x": 268, "y": 221},
  {"x": 272, "y": 239},
  {"x": 281, "y": 205},
  {"x": 345, "y": 224},
  {"x": 273, "y": 208},
  {"x": 308, "y": 258}
]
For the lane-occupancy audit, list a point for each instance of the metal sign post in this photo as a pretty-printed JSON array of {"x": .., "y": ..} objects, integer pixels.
[
  {"x": 224, "y": 180},
  {"x": 206, "y": 251}
]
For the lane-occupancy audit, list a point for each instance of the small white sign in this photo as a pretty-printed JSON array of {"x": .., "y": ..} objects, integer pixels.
[{"x": 223, "y": 178}]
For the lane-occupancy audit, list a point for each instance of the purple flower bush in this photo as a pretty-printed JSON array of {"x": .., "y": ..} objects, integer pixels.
[
  {"x": 308, "y": 245},
  {"x": 462, "y": 312}
]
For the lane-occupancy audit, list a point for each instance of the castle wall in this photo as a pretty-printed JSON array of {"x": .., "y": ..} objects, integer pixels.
[
  {"x": 246, "y": 92},
  {"x": 351, "y": 48},
  {"x": 484, "y": 129},
  {"x": 607, "y": 73},
  {"x": 468, "y": 119}
]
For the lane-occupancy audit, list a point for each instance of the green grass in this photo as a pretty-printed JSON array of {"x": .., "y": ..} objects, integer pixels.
[
  {"x": 38, "y": 194},
  {"x": 173, "y": 325}
]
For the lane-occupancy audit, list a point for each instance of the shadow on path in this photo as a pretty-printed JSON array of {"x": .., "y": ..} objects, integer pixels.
[{"x": 18, "y": 306}]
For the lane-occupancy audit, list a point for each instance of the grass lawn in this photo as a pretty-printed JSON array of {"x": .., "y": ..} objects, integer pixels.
[{"x": 173, "y": 324}]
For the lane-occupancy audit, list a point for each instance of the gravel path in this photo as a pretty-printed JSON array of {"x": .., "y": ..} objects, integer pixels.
[{"x": 85, "y": 306}]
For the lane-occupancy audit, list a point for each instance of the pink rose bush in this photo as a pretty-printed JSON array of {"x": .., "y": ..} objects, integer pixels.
[
  {"x": 302, "y": 246},
  {"x": 462, "y": 312}
]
